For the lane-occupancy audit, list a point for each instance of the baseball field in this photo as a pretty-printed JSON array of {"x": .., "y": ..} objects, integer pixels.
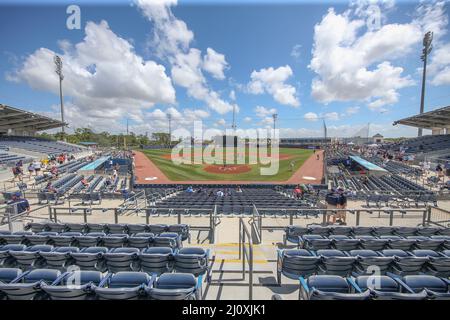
[{"x": 289, "y": 159}]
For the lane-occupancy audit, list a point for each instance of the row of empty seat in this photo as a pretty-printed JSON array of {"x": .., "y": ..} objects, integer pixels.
[
  {"x": 151, "y": 260},
  {"x": 42, "y": 284},
  {"x": 410, "y": 287},
  {"x": 108, "y": 228},
  {"x": 293, "y": 263},
  {"x": 38, "y": 145},
  {"x": 362, "y": 263}
]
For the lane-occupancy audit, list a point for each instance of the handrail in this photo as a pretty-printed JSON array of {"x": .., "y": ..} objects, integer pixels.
[
  {"x": 11, "y": 214},
  {"x": 291, "y": 213},
  {"x": 244, "y": 234},
  {"x": 442, "y": 217},
  {"x": 256, "y": 223}
]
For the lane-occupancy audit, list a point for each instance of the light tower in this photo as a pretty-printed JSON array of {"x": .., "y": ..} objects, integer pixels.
[
  {"x": 58, "y": 69},
  {"x": 274, "y": 116},
  {"x": 169, "y": 116},
  {"x": 427, "y": 47},
  {"x": 233, "y": 126}
]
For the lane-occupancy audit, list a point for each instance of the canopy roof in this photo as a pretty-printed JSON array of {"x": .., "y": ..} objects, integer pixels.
[
  {"x": 367, "y": 165},
  {"x": 439, "y": 118},
  {"x": 21, "y": 120}
]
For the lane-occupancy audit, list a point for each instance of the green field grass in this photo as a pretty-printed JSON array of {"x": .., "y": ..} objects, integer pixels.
[{"x": 195, "y": 172}]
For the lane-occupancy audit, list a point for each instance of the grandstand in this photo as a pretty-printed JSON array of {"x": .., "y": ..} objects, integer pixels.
[
  {"x": 435, "y": 147},
  {"x": 97, "y": 221},
  {"x": 134, "y": 225}
]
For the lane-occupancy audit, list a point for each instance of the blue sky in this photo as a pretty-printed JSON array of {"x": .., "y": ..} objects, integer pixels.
[{"x": 197, "y": 61}]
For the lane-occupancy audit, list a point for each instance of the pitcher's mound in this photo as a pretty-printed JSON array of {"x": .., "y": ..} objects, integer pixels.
[{"x": 228, "y": 169}]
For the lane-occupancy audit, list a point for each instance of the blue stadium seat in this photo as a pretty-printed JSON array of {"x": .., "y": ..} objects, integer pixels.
[
  {"x": 329, "y": 287},
  {"x": 176, "y": 286},
  {"x": 90, "y": 258},
  {"x": 75, "y": 285},
  {"x": 124, "y": 286},
  {"x": 28, "y": 285}
]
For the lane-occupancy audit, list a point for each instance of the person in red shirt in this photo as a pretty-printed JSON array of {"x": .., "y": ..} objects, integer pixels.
[{"x": 298, "y": 192}]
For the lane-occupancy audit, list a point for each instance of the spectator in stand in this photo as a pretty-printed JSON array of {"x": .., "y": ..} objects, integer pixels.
[
  {"x": 220, "y": 193},
  {"x": 238, "y": 189},
  {"x": 114, "y": 174},
  {"x": 17, "y": 172},
  {"x": 189, "y": 189},
  {"x": 50, "y": 188},
  {"x": 342, "y": 204},
  {"x": 440, "y": 172},
  {"x": 298, "y": 192},
  {"x": 85, "y": 183},
  {"x": 54, "y": 171},
  {"x": 21, "y": 204},
  {"x": 108, "y": 182},
  {"x": 31, "y": 169},
  {"x": 37, "y": 167}
]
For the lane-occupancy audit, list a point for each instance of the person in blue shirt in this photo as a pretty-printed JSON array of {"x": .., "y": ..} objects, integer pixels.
[
  {"x": 22, "y": 204},
  {"x": 190, "y": 189}
]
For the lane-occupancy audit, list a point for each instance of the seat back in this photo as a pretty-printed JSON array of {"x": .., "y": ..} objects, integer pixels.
[
  {"x": 191, "y": 260},
  {"x": 175, "y": 286},
  {"x": 156, "y": 260}
]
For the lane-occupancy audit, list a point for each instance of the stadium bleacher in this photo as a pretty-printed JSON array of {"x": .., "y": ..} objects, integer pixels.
[
  {"x": 38, "y": 145},
  {"x": 337, "y": 262},
  {"x": 9, "y": 158},
  {"x": 424, "y": 144},
  {"x": 233, "y": 202},
  {"x": 47, "y": 254}
]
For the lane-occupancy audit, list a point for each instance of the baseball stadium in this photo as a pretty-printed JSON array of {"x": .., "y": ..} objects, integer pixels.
[{"x": 103, "y": 199}]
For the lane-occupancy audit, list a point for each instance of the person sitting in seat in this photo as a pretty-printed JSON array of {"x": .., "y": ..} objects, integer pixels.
[
  {"x": 21, "y": 204},
  {"x": 220, "y": 193},
  {"x": 50, "y": 188},
  {"x": 85, "y": 183},
  {"x": 54, "y": 171},
  {"x": 238, "y": 189},
  {"x": 298, "y": 192},
  {"x": 190, "y": 189},
  {"x": 108, "y": 182}
]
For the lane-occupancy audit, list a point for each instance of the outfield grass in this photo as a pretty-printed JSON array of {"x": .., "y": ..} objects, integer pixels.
[{"x": 195, "y": 172}]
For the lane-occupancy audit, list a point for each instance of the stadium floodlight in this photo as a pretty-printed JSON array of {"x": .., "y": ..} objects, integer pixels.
[
  {"x": 169, "y": 116},
  {"x": 427, "y": 47},
  {"x": 274, "y": 116},
  {"x": 59, "y": 65}
]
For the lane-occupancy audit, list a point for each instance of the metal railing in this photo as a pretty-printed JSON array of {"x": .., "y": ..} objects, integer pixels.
[
  {"x": 55, "y": 212},
  {"x": 245, "y": 240},
  {"x": 293, "y": 214},
  {"x": 9, "y": 214},
  {"x": 182, "y": 213},
  {"x": 439, "y": 217}
]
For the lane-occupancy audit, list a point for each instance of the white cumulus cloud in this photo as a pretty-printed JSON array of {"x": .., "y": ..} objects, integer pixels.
[
  {"x": 355, "y": 65},
  {"x": 273, "y": 82},
  {"x": 311, "y": 116},
  {"x": 215, "y": 63},
  {"x": 103, "y": 76}
]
